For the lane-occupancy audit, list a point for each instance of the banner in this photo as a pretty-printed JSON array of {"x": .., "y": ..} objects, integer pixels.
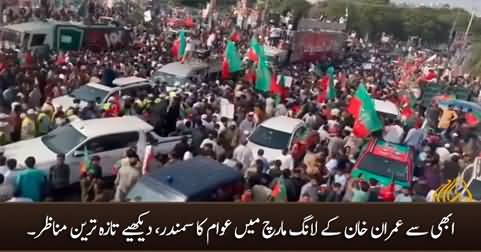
[
  {"x": 237, "y": 226},
  {"x": 227, "y": 109}
]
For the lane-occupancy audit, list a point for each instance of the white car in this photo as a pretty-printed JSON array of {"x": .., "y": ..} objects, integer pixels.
[
  {"x": 472, "y": 176},
  {"x": 176, "y": 74},
  {"x": 276, "y": 134},
  {"x": 108, "y": 138},
  {"x": 387, "y": 109},
  {"x": 94, "y": 92}
]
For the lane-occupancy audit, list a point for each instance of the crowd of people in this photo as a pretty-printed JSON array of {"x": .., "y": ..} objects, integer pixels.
[{"x": 443, "y": 148}]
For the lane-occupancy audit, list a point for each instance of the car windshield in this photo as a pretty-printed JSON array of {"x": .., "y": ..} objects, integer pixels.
[
  {"x": 270, "y": 138},
  {"x": 384, "y": 167},
  {"x": 63, "y": 139},
  {"x": 170, "y": 79},
  {"x": 475, "y": 189},
  {"x": 89, "y": 94}
]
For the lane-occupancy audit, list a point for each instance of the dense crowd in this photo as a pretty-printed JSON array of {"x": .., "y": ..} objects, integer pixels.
[{"x": 443, "y": 149}]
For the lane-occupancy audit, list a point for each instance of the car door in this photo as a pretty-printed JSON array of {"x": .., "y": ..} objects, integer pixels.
[{"x": 110, "y": 148}]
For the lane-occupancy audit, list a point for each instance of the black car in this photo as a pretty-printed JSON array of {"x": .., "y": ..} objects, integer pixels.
[{"x": 198, "y": 179}]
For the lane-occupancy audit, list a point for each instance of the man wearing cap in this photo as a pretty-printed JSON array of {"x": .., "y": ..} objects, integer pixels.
[
  {"x": 43, "y": 123},
  {"x": 28, "y": 130}
]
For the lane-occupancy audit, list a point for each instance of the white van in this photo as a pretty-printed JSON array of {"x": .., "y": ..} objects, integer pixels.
[{"x": 177, "y": 74}]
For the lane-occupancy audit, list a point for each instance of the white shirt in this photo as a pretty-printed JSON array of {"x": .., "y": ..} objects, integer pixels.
[
  {"x": 3, "y": 170},
  {"x": 331, "y": 165},
  {"x": 243, "y": 155},
  {"x": 230, "y": 162},
  {"x": 332, "y": 123},
  {"x": 341, "y": 179},
  {"x": 189, "y": 47},
  {"x": 210, "y": 40},
  {"x": 188, "y": 155},
  {"x": 444, "y": 154},
  {"x": 323, "y": 135},
  {"x": 287, "y": 162},
  {"x": 430, "y": 196},
  {"x": 209, "y": 141},
  {"x": 11, "y": 178},
  {"x": 393, "y": 134}
]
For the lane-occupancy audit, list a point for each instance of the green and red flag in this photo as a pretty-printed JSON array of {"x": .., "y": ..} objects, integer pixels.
[
  {"x": 328, "y": 88},
  {"x": 279, "y": 191},
  {"x": 178, "y": 49},
  {"x": 408, "y": 106},
  {"x": 255, "y": 51},
  {"x": 331, "y": 89},
  {"x": 85, "y": 164},
  {"x": 263, "y": 77},
  {"x": 278, "y": 87},
  {"x": 473, "y": 118},
  {"x": 235, "y": 37},
  {"x": 363, "y": 109},
  {"x": 232, "y": 62}
]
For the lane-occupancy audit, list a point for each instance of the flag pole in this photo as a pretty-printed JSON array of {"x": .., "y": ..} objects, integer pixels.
[{"x": 468, "y": 28}]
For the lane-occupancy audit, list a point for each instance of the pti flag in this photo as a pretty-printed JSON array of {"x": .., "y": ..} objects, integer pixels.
[
  {"x": 263, "y": 77},
  {"x": 255, "y": 51},
  {"x": 178, "y": 49},
  {"x": 364, "y": 112},
  {"x": 232, "y": 62},
  {"x": 279, "y": 192},
  {"x": 328, "y": 88},
  {"x": 85, "y": 164}
]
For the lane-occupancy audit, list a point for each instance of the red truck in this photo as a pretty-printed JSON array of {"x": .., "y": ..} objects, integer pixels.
[{"x": 315, "y": 40}]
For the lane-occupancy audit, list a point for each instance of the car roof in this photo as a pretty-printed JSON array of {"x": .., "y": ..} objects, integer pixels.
[
  {"x": 99, "y": 86},
  {"x": 29, "y": 26},
  {"x": 274, "y": 51},
  {"x": 127, "y": 81},
  {"x": 104, "y": 126},
  {"x": 182, "y": 69},
  {"x": 386, "y": 107},
  {"x": 196, "y": 177},
  {"x": 397, "y": 147},
  {"x": 282, "y": 123}
]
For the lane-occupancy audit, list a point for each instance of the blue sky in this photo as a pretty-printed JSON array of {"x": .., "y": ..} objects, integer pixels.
[{"x": 466, "y": 4}]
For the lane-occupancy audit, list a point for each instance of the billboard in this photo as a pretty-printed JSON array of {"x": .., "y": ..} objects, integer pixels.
[
  {"x": 311, "y": 46},
  {"x": 105, "y": 38}
]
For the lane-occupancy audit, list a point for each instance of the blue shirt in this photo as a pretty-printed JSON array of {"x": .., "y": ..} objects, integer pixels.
[{"x": 32, "y": 184}]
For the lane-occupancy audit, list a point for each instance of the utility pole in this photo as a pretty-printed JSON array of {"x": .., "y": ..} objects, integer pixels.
[
  {"x": 212, "y": 8},
  {"x": 468, "y": 28},
  {"x": 265, "y": 11},
  {"x": 1, "y": 12}
]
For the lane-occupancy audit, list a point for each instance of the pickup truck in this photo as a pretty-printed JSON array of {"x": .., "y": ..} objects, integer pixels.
[{"x": 108, "y": 138}]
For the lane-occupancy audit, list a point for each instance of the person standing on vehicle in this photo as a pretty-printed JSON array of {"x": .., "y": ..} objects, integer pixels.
[
  {"x": 127, "y": 176},
  {"x": 59, "y": 177},
  {"x": 16, "y": 122},
  {"x": 32, "y": 183},
  {"x": 10, "y": 175},
  {"x": 448, "y": 115},
  {"x": 29, "y": 129},
  {"x": 43, "y": 123}
]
